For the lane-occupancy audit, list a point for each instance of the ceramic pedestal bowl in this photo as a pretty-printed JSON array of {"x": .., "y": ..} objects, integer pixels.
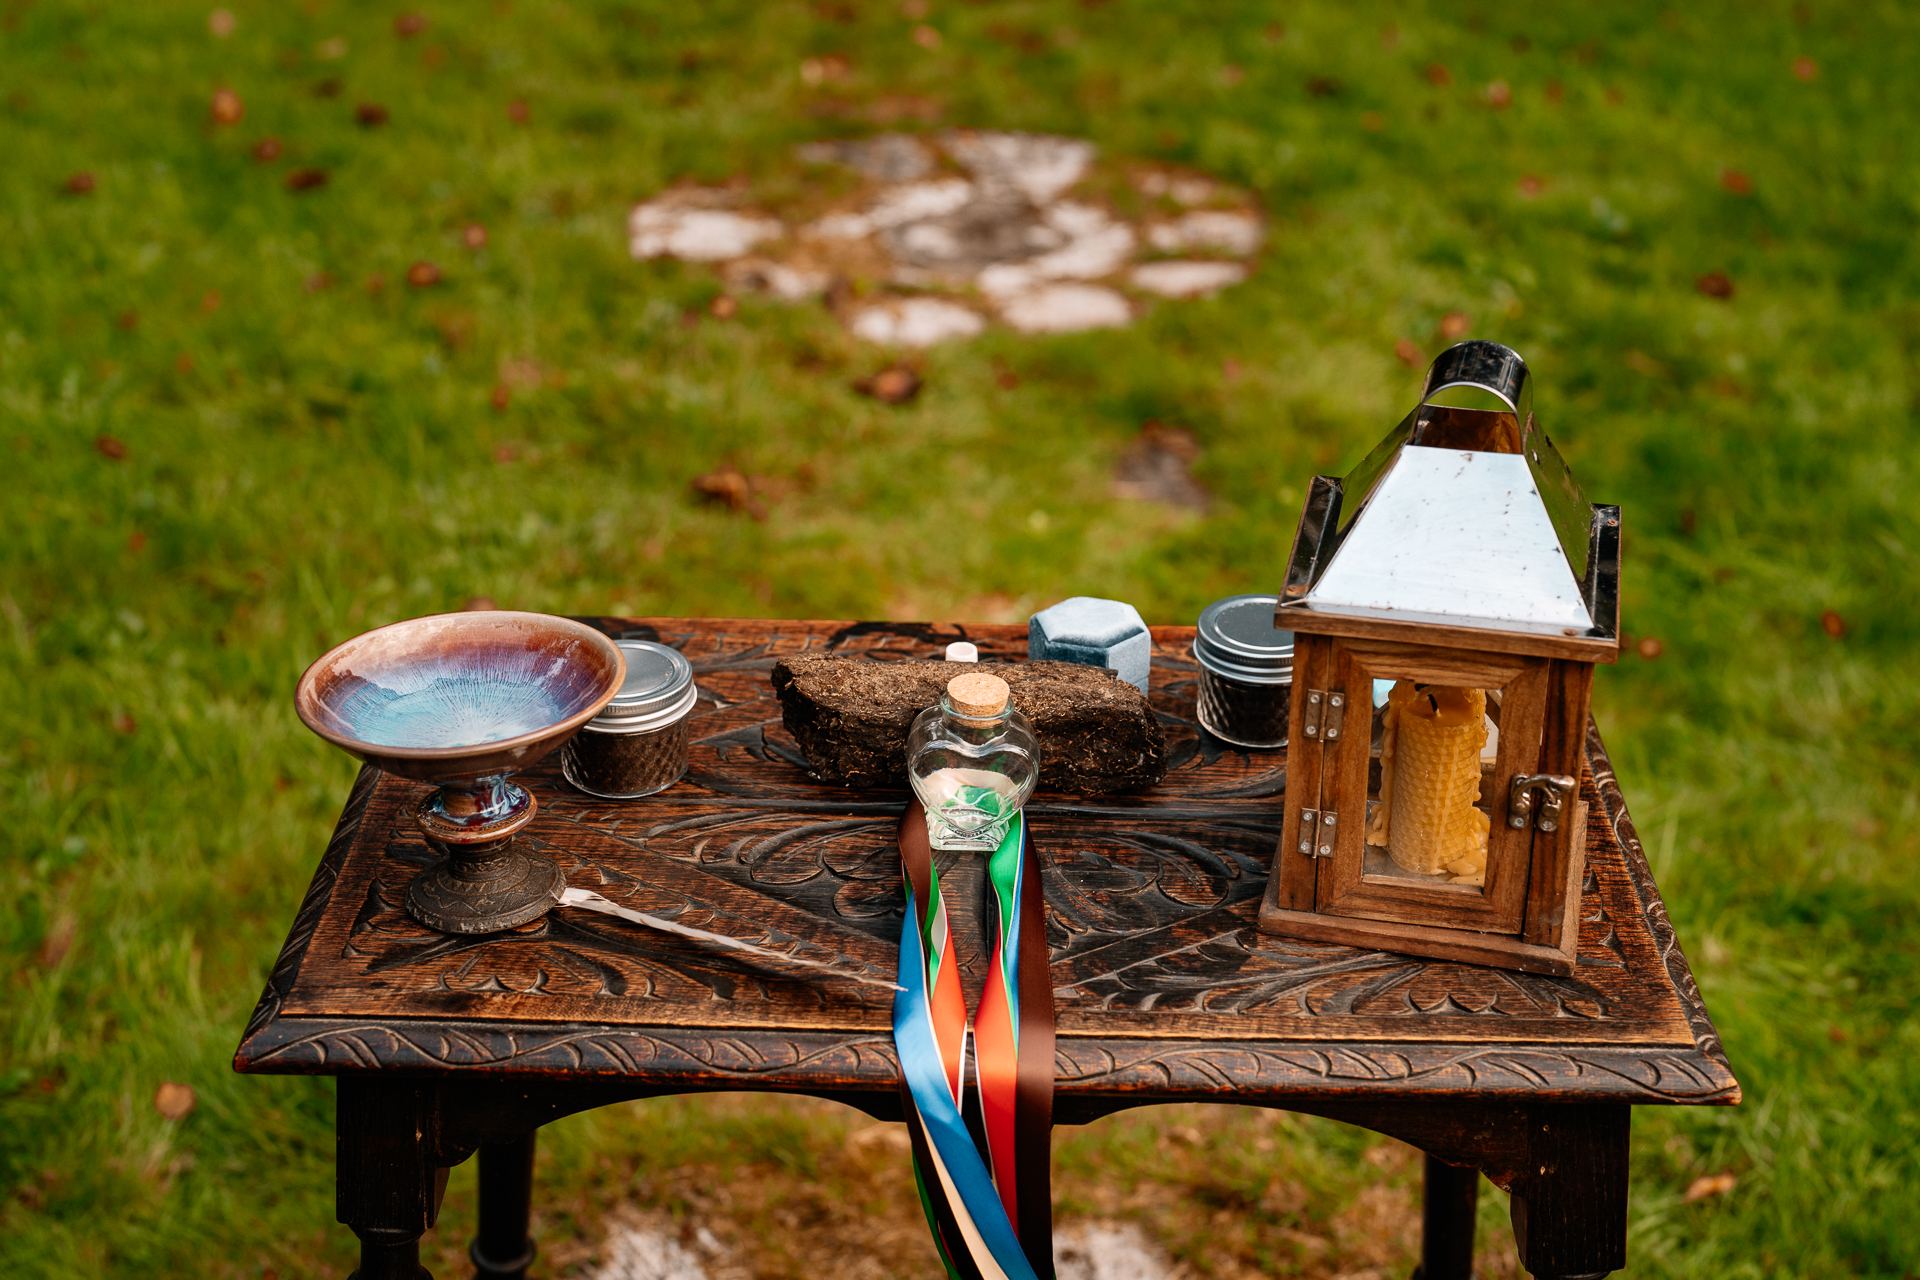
[{"x": 465, "y": 701}]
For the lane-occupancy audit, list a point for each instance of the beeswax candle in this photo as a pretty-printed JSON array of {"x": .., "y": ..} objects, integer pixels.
[{"x": 1429, "y": 778}]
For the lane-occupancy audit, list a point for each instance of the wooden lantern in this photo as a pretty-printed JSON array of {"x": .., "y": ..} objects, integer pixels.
[{"x": 1448, "y": 598}]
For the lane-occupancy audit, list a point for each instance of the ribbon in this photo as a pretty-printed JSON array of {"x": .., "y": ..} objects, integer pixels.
[{"x": 990, "y": 1205}]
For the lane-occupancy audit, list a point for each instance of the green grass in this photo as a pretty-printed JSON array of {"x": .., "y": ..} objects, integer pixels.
[{"x": 301, "y": 465}]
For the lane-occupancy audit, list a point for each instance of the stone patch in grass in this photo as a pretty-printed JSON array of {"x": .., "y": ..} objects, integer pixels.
[{"x": 942, "y": 232}]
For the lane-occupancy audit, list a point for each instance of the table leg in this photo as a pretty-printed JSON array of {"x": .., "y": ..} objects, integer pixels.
[
  {"x": 1446, "y": 1225},
  {"x": 502, "y": 1250},
  {"x": 387, "y": 1182},
  {"x": 1570, "y": 1199}
]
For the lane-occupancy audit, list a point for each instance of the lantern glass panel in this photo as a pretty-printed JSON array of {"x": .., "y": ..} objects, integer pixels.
[
  {"x": 1448, "y": 731},
  {"x": 1430, "y": 782}
]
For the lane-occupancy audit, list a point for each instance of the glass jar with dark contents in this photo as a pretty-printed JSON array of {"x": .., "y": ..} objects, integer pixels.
[
  {"x": 638, "y": 744},
  {"x": 1246, "y": 672}
]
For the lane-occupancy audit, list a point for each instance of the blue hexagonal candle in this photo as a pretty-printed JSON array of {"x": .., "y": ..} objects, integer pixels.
[{"x": 1093, "y": 633}]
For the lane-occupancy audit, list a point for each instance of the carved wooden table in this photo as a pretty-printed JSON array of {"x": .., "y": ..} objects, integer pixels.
[{"x": 444, "y": 1046}]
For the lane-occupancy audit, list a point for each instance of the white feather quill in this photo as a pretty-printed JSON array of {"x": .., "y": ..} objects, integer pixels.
[{"x": 591, "y": 901}]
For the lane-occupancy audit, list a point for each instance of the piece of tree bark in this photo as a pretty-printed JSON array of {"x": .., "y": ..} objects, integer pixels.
[{"x": 851, "y": 716}]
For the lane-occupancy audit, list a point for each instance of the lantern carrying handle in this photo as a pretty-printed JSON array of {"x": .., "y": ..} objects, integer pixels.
[{"x": 1484, "y": 366}]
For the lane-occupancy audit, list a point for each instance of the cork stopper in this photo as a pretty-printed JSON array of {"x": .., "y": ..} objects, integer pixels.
[{"x": 978, "y": 694}]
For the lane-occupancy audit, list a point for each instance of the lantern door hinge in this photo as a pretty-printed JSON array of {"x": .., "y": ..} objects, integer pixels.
[
  {"x": 1557, "y": 788},
  {"x": 1319, "y": 832},
  {"x": 1325, "y": 716}
]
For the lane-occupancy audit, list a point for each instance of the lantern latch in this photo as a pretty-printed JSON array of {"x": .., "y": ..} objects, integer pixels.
[
  {"x": 1556, "y": 787},
  {"x": 1326, "y": 713},
  {"x": 1318, "y": 829}
]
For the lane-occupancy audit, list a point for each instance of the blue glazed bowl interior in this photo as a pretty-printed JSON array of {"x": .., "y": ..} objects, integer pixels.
[{"x": 460, "y": 706}]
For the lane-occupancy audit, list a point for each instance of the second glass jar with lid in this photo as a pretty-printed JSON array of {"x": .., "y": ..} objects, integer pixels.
[
  {"x": 1246, "y": 672},
  {"x": 638, "y": 744}
]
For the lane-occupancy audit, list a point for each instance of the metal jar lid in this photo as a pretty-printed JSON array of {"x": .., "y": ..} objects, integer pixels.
[
  {"x": 658, "y": 690},
  {"x": 1237, "y": 639}
]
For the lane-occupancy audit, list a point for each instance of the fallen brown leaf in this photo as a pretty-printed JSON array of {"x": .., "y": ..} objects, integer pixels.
[
  {"x": 124, "y": 723},
  {"x": 423, "y": 274},
  {"x": 1737, "y": 182},
  {"x": 728, "y": 486},
  {"x": 1649, "y": 647},
  {"x": 1438, "y": 74},
  {"x": 408, "y": 25},
  {"x": 1645, "y": 365},
  {"x": 136, "y": 542},
  {"x": 517, "y": 111},
  {"x": 110, "y": 448},
  {"x": 210, "y": 301},
  {"x": 1499, "y": 95},
  {"x": 1833, "y": 624},
  {"x": 1837, "y": 1034},
  {"x": 926, "y": 37},
  {"x": 479, "y": 604},
  {"x": 524, "y": 374},
  {"x": 80, "y": 184},
  {"x": 226, "y": 107},
  {"x": 317, "y": 281},
  {"x": 306, "y": 179},
  {"x": 1556, "y": 92},
  {"x": 59, "y": 940},
  {"x": 128, "y": 320},
  {"x": 1805, "y": 69},
  {"x": 174, "y": 1101},
  {"x": 220, "y": 23},
  {"x": 723, "y": 307},
  {"x": 183, "y": 363},
  {"x": 1712, "y": 1184},
  {"x": 267, "y": 150},
  {"x": 1455, "y": 325},
  {"x": 1406, "y": 353},
  {"x": 1531, "y": 185},
  {"x": 895, "y": 385},
  {"x": 501, "y": 397},
  {"x": 370, "y": 115},
  {"x": 474, "y": 237},
  {"x": 827, "y": 67},
  {"x": 1714, "y": 284}
]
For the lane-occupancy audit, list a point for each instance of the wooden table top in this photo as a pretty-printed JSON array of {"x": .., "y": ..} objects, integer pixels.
[{"x": 1164, "y": 988}]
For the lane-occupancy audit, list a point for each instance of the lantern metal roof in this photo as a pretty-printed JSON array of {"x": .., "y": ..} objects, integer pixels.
[{"x": 1462, "y": 518}]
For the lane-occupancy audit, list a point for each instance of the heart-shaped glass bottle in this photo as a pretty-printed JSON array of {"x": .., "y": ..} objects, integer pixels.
[{"x": 972, "y": 760}]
